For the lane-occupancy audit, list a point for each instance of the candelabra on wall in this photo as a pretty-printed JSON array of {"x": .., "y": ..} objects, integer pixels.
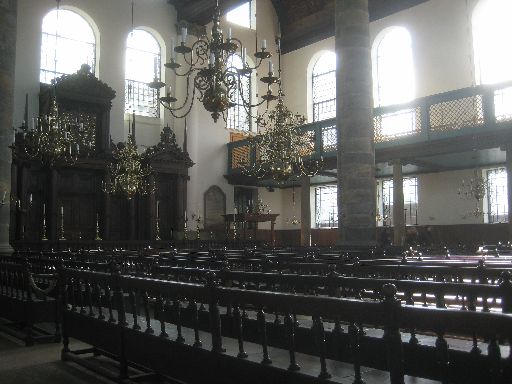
[{"x": 293, "y": 220}]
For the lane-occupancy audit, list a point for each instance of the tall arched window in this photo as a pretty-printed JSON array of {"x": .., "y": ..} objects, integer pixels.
[
  {"x": 141, "y": 67},
  {"x": 324, "y": 87},
  {"x": 238, "y": 118},
  {"x": 493, "y": 58},
  {"x": 394, "y": 80},
  {"x": 491, "y": 29},
  {"x": 68, "y": 41}
]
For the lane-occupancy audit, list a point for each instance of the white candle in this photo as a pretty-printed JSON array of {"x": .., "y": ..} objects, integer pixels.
[
  {"x": 185, "y": 215},
  {"x": 229, "y": 33},
  {"x": 263, "y": 44},
  {"x": 156, "y": 67},
  {"x": 235, "y": 211},
  {"x": 157, "y": 209},
  {"x": 62, "y": 210},
  {"x": 30, "y": 198},
  {"x": 270, "y": 67},
  {"x": 212, "y": 59},
  {"x": 169, "y": 91},
  {"x": 244, "y": 54},
  {"x": 33, "y": 124},
  {"x": 44, "y": 210},
  {"x": 173, "y": 54},
  {"x": 183, "y": 34}
]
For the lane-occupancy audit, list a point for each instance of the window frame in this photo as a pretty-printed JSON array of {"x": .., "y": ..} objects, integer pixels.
[
  {"x": 333, "y": 208},
  {"x": 316, "y": 76},
  {"x": 385, "y": 192},
  {"x": 92, "y": 62},
  {"x": 491, "y": 218},
  {"x": 248, "y": 121},
  {"x": 144, "y": 90}
]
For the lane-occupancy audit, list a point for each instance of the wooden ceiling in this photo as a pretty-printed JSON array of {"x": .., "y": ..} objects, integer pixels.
[{"x": 303, "y": 22}]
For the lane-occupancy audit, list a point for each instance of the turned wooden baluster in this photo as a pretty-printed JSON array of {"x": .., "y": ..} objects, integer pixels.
[
  {"x": 160, "y": 310},
  {"x": 289, "y": 326},
  {"x": 237, "y": 317},
  {"x": 81, "y": 292},
  {"x": 72, "y": 294},
  {"x": 354, "y": 335},
  {"x": 99, "y": 298},
  {"x": 177, "y": 312},
  {"x": 442, "y": 357},
  {"x": 195, "y": 318},
  {"x": 115, "y": 276},
  {"x": 475, "y": 350},
  {"x": 214, "y": 313},
  {"x": 88, "y": 293},
  {"x": 133, "y": 305},
  {"x": 392, "y": 337},
  {"x": 262, "y": 327},
  {"x": 319, "y": 335},
  {"x": 145, "y": 302},
  {"x": 494, "y": 355},
  {"x": 108, "y": 296}
]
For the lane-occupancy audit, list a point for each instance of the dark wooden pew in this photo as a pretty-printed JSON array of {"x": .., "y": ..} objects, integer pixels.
[
  {"x": 25, "y": 300},
  {"x": 155, "y": 325}
]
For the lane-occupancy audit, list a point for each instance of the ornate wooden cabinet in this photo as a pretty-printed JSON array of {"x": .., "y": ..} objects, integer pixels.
[{"x": 62, "y": 204}]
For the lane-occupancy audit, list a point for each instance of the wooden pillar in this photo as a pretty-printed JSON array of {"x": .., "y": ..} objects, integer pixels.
[
  {"x": 354, "y": 121},
  {"x": 398, "y": 204},
  {"x": 8, "y": 14},
  {"x": 508, "y": 150},
  {"x": 305, "y": 211}
]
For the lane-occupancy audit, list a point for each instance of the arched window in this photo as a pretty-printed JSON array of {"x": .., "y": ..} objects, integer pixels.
[
  {"x": 141, "y": 67},
  {"x": 491, "y": 28},
  {"x": 493, "y": 59},
  {"x": 68, "y": 41},
  {"x": 238, "y": 118},
  {"x": 394, "y": 80},
  {"x": 324, "y": 87}
]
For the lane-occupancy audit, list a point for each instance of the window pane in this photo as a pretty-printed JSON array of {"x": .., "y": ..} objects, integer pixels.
[
  {"x": 240, "y": 15},
  {"x": 410, "y": 188},
  {"x": 497, "y": 195},
  {"x": 142, "y": 65},
  {"x": 67, "y": 42},
  {"x": 238, "y": 118},
  {"x": 326, "y": 206},
  {"x": 491, "y": 24},
  {"x": 395, "y": 69},
  {"x": 324, "y": 87}
]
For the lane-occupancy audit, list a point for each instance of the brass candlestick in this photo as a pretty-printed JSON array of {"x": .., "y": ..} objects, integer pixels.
[
  {"x": 97, "y": 237},
  {"x": 62, "y": 224},
  {"x": 43, "y": 237},
  {"x": 158, "y": 229}
]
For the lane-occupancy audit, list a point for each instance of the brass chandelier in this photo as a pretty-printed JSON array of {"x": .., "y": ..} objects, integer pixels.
[
  {"x": 129, "y": 172},
  {"x": 282, "y": 151},
  {"x": 55, "y": 137},
  {"x": 219, "y": 85}
]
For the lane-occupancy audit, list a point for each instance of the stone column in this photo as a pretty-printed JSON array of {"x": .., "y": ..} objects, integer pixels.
[
  {"x": 356, "y": 153},
  {"x": 398, "y": 204},
  {"x": 508, "y": 150},
  {"x": 8, "y": 14},
  {"x": 305, "y": 211}
]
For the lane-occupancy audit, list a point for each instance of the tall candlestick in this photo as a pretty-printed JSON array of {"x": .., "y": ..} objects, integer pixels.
[
  {"x": 62, "y": 223},
  {"x": 158, "y": 209},
  {"x": 43, "y": 236}
]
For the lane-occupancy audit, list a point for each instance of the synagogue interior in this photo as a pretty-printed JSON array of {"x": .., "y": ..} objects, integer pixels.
[{"x": 255, "y": 191}]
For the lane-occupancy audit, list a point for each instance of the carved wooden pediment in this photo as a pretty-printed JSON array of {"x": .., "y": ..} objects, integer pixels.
[
  {"x": 85, "y": 86},
  {"x": 168, "y": 151}
]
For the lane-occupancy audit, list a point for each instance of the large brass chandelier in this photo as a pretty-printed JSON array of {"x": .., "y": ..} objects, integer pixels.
[
  {"x": 281, "y": 150},
  {"x": 55, "y": 137},
  {"x": 128, "y": 174},
  {"x": 205, "y": 68},
  {"x": 474, "y": 188}
]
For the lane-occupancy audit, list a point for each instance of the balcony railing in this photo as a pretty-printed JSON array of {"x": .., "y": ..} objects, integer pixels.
[{"x": 456, "y": 113}]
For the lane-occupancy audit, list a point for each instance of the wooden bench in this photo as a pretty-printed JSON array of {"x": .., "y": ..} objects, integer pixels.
[
  {"x": 24, "y": 304},
  {"x": 156, "y": 325}
]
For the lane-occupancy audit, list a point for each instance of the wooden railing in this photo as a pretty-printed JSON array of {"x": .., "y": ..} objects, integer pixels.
[{"x": 454, "y": 113}]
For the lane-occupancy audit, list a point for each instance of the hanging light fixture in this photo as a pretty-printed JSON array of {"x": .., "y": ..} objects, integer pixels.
[
  {"x": 281, "y": 150},
  {"x": 219, "y": 86},
  {"x": 474, "y": 188},
  {"x": 128, "y": 174}
]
